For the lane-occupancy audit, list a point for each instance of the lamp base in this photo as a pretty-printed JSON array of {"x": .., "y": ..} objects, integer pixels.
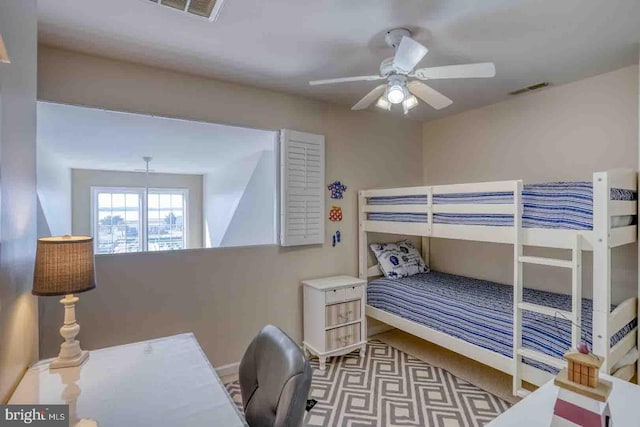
[
  {"x": 69, "y": 362},
  {"x": 70, "y": 352}
]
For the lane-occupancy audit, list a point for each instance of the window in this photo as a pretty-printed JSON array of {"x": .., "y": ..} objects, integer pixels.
[
  {"x": 117, "y": 221},
  {"x": 166, "y": 214},
  {"x": 124, "y": 220}
]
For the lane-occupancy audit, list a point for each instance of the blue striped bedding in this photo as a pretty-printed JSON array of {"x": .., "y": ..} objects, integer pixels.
[
  {"x": 560, "y": 205},
  {"x": 481, "y": 312}
]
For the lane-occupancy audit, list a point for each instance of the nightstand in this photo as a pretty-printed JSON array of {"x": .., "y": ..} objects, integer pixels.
[{"x": 334, "y": 317}]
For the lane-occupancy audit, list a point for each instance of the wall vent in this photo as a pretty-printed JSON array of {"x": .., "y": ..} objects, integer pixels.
[
  {"x": 531, "y": 88},
  {"x": 208, "y": 9}
]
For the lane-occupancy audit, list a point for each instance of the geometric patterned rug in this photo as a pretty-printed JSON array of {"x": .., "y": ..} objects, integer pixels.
[{"x": 388, "y": 387}]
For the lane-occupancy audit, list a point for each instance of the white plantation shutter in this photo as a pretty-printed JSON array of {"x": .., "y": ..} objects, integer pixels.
[{"x": 301, "y": 188}]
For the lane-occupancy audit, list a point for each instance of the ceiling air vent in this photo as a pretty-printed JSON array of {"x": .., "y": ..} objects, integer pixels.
[
  {"x": 208, "y": 9},
  {"x": 530, "y": 88}
]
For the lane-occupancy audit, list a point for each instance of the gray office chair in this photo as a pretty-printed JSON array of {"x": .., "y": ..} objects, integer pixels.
[{"x": 275, "y": 378}]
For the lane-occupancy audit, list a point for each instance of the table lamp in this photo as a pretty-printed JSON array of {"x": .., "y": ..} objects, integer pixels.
[
  {"x": 64, "y": 266},
  {"x": 4, "y": 56}
]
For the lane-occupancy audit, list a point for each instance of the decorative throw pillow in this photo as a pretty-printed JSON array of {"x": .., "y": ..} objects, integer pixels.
[{"x": 399, "y": 259}]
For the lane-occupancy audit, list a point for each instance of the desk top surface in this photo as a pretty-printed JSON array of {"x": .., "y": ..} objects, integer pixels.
[
  {"x": 163, "y": 382},
  {"x": 536, "y": 409}
]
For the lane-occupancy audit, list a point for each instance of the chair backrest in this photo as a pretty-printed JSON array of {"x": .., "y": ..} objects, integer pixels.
[{"x": 275, "y": 378}]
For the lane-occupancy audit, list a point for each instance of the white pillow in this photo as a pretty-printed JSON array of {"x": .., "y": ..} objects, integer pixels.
[{"x": 399, "y": 259}]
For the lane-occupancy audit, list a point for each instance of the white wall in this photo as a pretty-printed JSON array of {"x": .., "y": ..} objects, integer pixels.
[
  {"x": 561, "y": 133},
  {"x": 223, "y": 189},
  {"x": 223, "y": 295},
  {"x": 18, "y": 308},
  {"x": 54, "y": 194},
  {"x": 239, "y": 200},
  {"x": 254, "y": 219},
  {"x": 84, "y": 179}
]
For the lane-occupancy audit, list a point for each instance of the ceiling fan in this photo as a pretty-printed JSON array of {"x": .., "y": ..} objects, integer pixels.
[{"x": 398, "y": 71}]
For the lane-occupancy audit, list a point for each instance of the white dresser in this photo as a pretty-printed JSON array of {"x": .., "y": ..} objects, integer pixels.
[{"x": 334, "y": 317}]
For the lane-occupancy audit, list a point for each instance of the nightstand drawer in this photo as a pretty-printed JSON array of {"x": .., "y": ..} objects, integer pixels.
[
  {"x": 340, "y": 313},
  {"x": 353, "y": 292},
  {"x": 335, "y": 295},
  {"x": 342, "y": 337}
]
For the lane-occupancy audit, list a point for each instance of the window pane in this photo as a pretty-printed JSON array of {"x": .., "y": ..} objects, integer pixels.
[
  {"x": 176, "y": 201},
  {"x": 104, "y": 217},
  {"x": 166, "y": 221},
  {"x": 165, "y": 200},
  {"x": 132, "y": 200},
  {"x": 153, "y": 200},
  {"x": 118, "y": 222},
  {"x": 104, "y": 200},
  {"x": 117, "y": 200}
]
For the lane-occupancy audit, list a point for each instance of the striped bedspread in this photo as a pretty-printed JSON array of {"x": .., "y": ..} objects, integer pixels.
[
  {"x": 481, "y": 312},
  {"x": 565, "y": 205}
]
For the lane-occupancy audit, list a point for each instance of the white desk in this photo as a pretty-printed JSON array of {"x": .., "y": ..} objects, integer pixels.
[
  {"x": 536, "y": 409},
  {"x": 163, "y": 382}
]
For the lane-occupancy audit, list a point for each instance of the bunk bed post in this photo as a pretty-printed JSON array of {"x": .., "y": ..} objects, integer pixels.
[
  {"x": 426, "y": 242},
  {"x": 601, "y": 267},
  {"x": 362, "y": 237},
  {"x": 576, "y": 291},
  {"x": 517, "y": 287},
  {"x": 426, "y": 250}
]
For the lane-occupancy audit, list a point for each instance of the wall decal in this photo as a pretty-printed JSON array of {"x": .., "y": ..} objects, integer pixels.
[
  {"x": 337, "y": 189},
  {"x": 335, "y": 213},
  {"x": 336, "y": 238}
]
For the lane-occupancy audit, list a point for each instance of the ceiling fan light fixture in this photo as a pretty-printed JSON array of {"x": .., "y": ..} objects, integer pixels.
[
  {"x": 383, "y": 103},
  {"x": 409, "y": 103},
  {"x": 403, "y": 79},
  {"x": 395, "y": 94}
]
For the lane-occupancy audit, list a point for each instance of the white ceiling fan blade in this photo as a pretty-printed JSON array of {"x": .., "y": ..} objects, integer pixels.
[
  {"x": 370, "y": 98},
  {"x": 409, "y": 53},
  {"x": 429, "y": 95},
  {"x": 465, "y": 71},
  {"x": 346, "y": 79}
]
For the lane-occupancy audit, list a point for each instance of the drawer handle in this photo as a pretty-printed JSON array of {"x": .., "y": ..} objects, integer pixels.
[
  {"x": 345, "y": 316},
  {"x": 343, "y": 340}
]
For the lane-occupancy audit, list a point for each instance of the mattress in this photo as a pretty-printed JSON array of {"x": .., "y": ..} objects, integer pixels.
[
  {"x": 481, "y": 312},
  {"x": 560, "y": 205}
]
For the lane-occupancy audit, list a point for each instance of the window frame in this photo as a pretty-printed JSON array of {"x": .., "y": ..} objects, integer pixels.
[
  {"x": 185, "y": 224},
  {"x": 143, "y": 194},
  {"x": 95, "y": 190}
]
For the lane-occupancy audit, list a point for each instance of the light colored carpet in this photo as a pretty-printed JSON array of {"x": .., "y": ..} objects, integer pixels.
[
  {"x": 388, "y": 387},
  {"x": 486, "y": 378}
]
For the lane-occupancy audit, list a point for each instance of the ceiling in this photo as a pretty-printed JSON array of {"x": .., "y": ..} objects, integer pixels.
[
  {"x": 89, "y": 138},
  {"x": 282, "y": 44}
]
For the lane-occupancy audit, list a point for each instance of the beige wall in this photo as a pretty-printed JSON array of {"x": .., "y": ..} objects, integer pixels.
[
  {"x": 561, "y": 133},
  {"x": 83, "y": 179},
  {"x": 18, "y": 309},
  {"x": 223, "y": 295}
]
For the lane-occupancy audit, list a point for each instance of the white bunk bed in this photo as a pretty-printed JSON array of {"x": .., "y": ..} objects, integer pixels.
[{"x": 600, "y": 239}]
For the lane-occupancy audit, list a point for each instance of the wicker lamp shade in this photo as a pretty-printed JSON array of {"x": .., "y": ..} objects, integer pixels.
[
  {"x": 4, "y": 57},
  {"x": 64, "y": 265}
]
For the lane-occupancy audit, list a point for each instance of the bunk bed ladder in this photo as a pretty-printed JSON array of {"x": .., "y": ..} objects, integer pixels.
[{"x": 575, "y": 265}]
